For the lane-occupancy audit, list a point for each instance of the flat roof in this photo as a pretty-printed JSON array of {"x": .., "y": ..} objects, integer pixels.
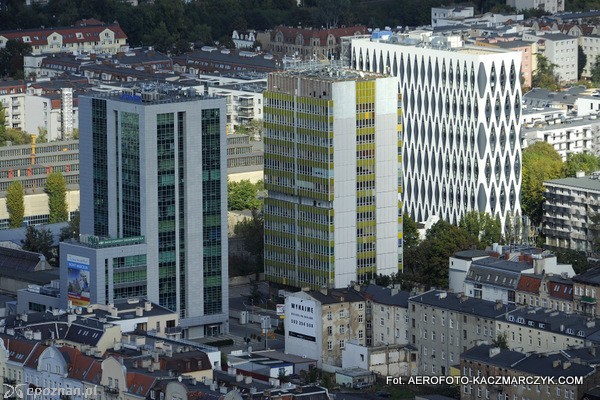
[{"x": 586, "y": 183}]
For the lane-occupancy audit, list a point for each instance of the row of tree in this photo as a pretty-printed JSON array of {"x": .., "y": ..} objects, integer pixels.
[{"x": 55, "y": 188}]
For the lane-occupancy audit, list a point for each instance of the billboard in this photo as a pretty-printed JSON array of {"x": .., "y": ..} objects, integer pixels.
[
  {"x": 280, "y": 309},
  {"x": 78, "y": 276},
  {"x": 302, "y": 322}
]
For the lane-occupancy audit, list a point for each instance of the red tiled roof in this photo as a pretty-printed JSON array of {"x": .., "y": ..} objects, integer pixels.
[
  {"x": 34, "y": 356},
  {"x": 94, "y": 373},
  {"x": 18, "y": 350},
  {"x": 560, "y": 290},
  {"x": 88, "y": 22},
  {"x": 39, "y": 37},
  {"x": 139, "y": 384},
  {"x": 289, "y": 33},
  {"x": 529, "y": 284}
]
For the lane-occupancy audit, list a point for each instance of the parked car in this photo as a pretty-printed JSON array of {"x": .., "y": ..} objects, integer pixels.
[{"x": 362, "y": 385}]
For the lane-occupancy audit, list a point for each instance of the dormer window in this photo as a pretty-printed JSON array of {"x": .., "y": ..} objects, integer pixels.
[
  {"x": 521, "y": 320},
  {"x": 26, "y": 39},
  {"x": 581, "y": 334},
  {"x": 570, "y": 331},
  {"x": 511, "y": 318},
  {"x": 79, "y": 35}
]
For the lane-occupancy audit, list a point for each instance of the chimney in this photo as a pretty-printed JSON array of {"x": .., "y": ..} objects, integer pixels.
[
  {"x": 591, "y": 323},
  {"x": 499, "y": 305},
  {"x": 139, "y": 312},
  {"x": 566, "y": 365},
  {"x": 239, "y": 378},
  {"x": 323, "y": 290},
  {"x": 562, "y": 328},
  {"x": 395, "y": 291},
  {"x": 593, "y": 351},
  {"x": 71, "y": 318},
  {"x": 248, "y": 380},
  {"x": 580, "y": 174},
  {"x": 357, "y": 288},
  {"x": 556, "y": 363},
  {"x": 148, "y": 306}
]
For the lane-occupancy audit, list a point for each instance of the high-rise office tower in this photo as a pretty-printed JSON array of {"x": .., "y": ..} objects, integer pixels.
[
  {"x": 153, "y": 173},
  {"x": 461, "y": 108},
  {"x": 332, "y": 169}
]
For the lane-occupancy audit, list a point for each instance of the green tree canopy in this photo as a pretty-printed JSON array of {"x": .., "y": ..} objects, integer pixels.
[
  {"x": 585, "y": 162},
  {"x": 39, "y": 241},
  {"x": 56, "y": 188},
  {"x": 15, "y": 136},
  {"x": 251, "y": 230},
  {"x": 431, "y": 258},
  {"x": 544, "y": 77},
  {"x": 11, "y": 58},
  {"x": 482, "y": 228},
  {"x": 595, "y": 72},
  {"x": 410, "y": 232},
  {"x": 71, "y": 231},
  {"x": 242, "y": 195},
  {"x": 540, "y": 163},
  {"x": 15, "y": 204}
]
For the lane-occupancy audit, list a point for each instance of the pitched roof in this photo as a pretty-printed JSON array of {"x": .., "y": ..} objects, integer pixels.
[
  {"x": 18, "y": 259},
  {"x": 463, "y": 304},
  {"x": 387, "y": 296},
  {"x": 591, "y": 276},
  {"x": 139, "y": 384},
  {"x": 529, "y": 283},
  {"x": 78, "y": 34},
  {"x": 560, "y": 290},
  {"x": 290, "y": 33}
]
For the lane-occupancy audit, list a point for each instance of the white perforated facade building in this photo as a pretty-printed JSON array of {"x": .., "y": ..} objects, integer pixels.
[{"x": 461, "y": 114}]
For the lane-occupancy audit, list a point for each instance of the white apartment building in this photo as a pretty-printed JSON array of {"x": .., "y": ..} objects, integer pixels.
[
  {"x": 12, "y": 99},
  {"x": 551, "y": 6},
  {"x": 560, "y": 49},
  {"x": 461, "y": 117},
  {"x": 244, "y": 102},
  {"x": 440, "y": 14},
  {"x": 567, "y": 136},
  {"x": 57, "y": 114},
  {"x": 591, "y": 48}
]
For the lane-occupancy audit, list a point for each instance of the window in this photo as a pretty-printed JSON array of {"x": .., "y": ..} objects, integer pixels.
[
  {"x": 451, "y": 321},
  {"x": 342, "y": 344},
  {"x": 342, "y": 314},
  {"x": 360, "y": 319},
  {"x": 342, "y": 329},
  {"x": 329, "y": 331},
  {"x": 329, "y": 345},
  {"x": 360, "y": 334},
  {"x": 443, "y": 321},
  {"x": 382, "y": 322},
  {"x": 329, "y": 316},
  {"x": 360, "y": 306}
]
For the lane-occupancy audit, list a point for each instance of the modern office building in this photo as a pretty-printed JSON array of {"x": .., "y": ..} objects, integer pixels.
[
  {"x": 461, "y": 109},
  {"x": 154, "y": 171},
  {"x": 332, "y": 169}
]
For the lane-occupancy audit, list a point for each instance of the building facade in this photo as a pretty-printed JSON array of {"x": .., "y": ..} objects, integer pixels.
[
  {"x": 461, "y": 117},
  {"x": 560, "y": 49},
  {"x": 318, "y": 120},
  {"x": 154, "y": 168},
  {"x": 568, "y": 209}
]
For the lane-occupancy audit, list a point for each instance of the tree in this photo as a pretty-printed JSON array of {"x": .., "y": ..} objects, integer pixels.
[
  {"x": 56, "y": 188},
  {"x": 540, "y": 163},
  {"x": 482, "y": 227},
  {"x": 71, "y": 231},
  {"x": 2, "y": 125},
  {"x": 595, "y": 71},
  {"x": 585, "y": 162},
  {"x": 75, "y": 134},
  {"x": 501, "y": 341},
  {"x": 410, "y": 232},
  {"x": 581, "y": 61},
  {"x": 16, "y": 136},
  {"x": 328, "y": 12},
  {"x": 242, "y": 195},
  {"x": 11, "y": 58},
  {"x": 544, "y": 76},
  {"x": 595, "y": 232},
  {"x": 431, "y": 258},
  {"x": 577, "y": 259},
  {"x": 39, "y": 241},
  {"x": 252, "y": 231},
  {"x": 42, "y": 136},
  {"x": 15, "y": 204}
]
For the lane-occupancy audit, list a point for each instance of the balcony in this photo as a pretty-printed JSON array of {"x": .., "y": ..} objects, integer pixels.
[
  {"x": 588, "y": 300},
  {"x": 174, "y": 330},
  {"x": 111, "y": 390}
]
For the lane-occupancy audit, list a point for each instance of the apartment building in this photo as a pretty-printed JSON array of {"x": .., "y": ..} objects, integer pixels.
[
  {"x": 309, "y": 43},
  {"x": 461, "y": 119},
  {"x": 585, "y": 286},
  {"x": 546, "y": 330},
  {"x": 549, "y": 6},
  {"x": 320, "y": 323},
  {"x": 570, "y": 204},
  {"x": 321, "y": 228},
  {"x": 444, "y": 325},
  {"x": 573, "y": 135},
  {"x": 560, "y": 49},
  {"x": 387, "y": 316},
  {"x": 487, "y": 361},
  {"x": 87, "y": 36},
  {"x": 549, "y": 291},
  {"x": 12, "y": 99}
]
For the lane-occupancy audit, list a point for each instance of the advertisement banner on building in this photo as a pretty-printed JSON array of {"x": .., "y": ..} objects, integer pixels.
[
  {"x": 79, "y": 280},
  {"x": 301, "y": 321}
]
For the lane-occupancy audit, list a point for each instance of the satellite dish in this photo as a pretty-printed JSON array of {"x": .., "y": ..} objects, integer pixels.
[{"x": 179, "y": 378}]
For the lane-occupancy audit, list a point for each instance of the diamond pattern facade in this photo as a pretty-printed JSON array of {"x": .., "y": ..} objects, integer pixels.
[{"x": 461, "y": 115}]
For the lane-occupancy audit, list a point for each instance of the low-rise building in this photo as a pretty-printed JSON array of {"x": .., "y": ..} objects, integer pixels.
[
  {"x": 488, "y": 361},
  {"x": 389, "y": 360},
  {"x": 319, "y": 324},
  {"x": 585, "y": 287}
]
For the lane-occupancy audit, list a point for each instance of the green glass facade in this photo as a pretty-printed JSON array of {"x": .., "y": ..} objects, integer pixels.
[
  {"x": 211, "y": 210},
  {"x": 130, "y": 174},
  {"x": 130, "y": 277},
  {"x": 167, "y": 250},
  {"x": 100, "y": 166}
]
